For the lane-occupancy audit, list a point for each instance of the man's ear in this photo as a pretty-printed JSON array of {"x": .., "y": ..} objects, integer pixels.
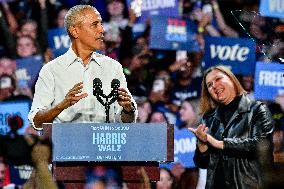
[{"x": 73, "y": 31}]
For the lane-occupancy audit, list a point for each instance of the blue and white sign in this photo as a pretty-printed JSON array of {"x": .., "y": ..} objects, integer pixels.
[
  {"x": 272, "y": 8},
  {"x": 171, "y": 33},
  {"x": 13, "y": 108},
  {"x": 58, "y": 41},
  {"x": 28, "y": 70},
  {"x": 236, "y": 53},
  {"x": 151, "y": 8},
  {"x": 109, "y": 142},
  {"x": 184, "y": 148},
  {"x": 269, "y": 80}
]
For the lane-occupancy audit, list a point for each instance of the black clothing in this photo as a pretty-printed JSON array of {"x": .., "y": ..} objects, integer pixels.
[{"x": 238, "y": 164}]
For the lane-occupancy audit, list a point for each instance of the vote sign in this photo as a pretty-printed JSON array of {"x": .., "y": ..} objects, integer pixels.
[{"x": 236, "y": 53}]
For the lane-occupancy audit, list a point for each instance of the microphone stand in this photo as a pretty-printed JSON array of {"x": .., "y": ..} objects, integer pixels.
[{"x": 98, "y": 92}]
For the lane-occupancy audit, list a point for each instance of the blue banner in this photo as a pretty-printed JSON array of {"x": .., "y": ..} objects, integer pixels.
[
  {"x": 269, "y": 81},
  {"x": 19, "y": 174},
  {"x": 272, "y": 8},
  {"x": 184, "y": 148},
  {"x": 28, "y": 70},
  {"x": 58, "y": 41},
  {"x": 13, "y": 108},
  {"x": 151, "y": 8},
  {"x": 171, "y": 33},
  {"x": 236, "y": 53}
]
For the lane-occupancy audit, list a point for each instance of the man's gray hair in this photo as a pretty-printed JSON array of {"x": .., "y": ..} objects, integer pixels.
[{"x": 73, "y": 16}]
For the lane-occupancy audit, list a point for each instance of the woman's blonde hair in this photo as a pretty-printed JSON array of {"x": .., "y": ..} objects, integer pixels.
[{"x": 207, "y": 103}]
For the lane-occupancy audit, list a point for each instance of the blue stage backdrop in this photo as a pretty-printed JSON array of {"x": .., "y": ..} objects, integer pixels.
[
  {"x": 269, "y": 80},
  {"x": 13, "y": 108},
  {"x": 184, "y": 148},
  {"x": 170, "y": 33},
  {"x": 28, "y": 70},
  {"x": 272, "y": 8},
  {"x": 151, "y": 8},
  {"x": 236, "y": 53},
  {"x": 58, "y": 41}
]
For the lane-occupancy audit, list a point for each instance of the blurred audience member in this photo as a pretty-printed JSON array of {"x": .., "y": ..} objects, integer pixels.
[
  {"x": 7, "y": 87},
  {"x": 247, "y": 81},
  {"x": 7, "y": 66},
  {"x": 166, "y": 180},
  {"x": 189, "y": 113},
  {"x": 144, "y": 110},
  {"x": 158, "y": 117},
  {"x": 26, "y": 46}
]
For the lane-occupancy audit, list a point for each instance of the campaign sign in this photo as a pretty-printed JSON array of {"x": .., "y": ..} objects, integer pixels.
[
  {"x": 269, "y": 81},
  {"x": 272, "y": 8},
  {"x": 19, "y": 174},
  {"x": 151, "y": 8},
  {"x": 28, "y": 70},
  {"x": 171, "y": 33},
  {"x": 58, "y": 41},
  {"x": 184, "y": 148},
  {"x": 13, "y": 108},
  {"x": 109, "y": 142},
  {"x": 236, "y": 53}
]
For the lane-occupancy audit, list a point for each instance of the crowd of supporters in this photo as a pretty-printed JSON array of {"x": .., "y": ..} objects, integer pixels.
[{"x": 165, "y": 86}]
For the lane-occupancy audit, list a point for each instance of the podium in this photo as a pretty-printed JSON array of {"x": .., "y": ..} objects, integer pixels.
[{"x": 78, "y": 147}]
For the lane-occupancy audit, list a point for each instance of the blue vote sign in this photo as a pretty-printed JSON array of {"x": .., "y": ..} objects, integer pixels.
[
  {"x": 58, "y": 41},
  {"x": 236, "y": 53},
  {"x": 272, "y": 8}
]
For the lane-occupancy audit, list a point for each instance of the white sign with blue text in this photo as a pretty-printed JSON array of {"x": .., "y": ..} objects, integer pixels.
[
  {"x": 272, "y": 8},
  {"x": 269, "y": 80},
  {"x": 236, "y": 53}
]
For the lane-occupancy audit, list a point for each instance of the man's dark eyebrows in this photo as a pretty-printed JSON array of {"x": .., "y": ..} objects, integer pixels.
[{"x": 96, "y": 22}]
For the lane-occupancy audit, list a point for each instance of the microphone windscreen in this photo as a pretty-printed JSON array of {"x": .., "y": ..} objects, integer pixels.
[
  {"x": 97, "y": 82},
  {"x": 115, "y": 83}
]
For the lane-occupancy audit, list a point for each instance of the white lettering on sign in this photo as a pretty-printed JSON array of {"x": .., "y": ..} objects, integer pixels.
[
  {"x": 184, "y": 145},
  {"x": 271, "y": 78},
  {"x": 61, "y": 41},
  {"x": 232, "y": 53},
  {"x": 276, "y": 6},
  {"x": 155, "y": 4}
]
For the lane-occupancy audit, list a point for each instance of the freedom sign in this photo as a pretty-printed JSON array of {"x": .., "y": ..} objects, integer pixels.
[
  {"x": 269, "y": 81},
  {"x": 58, "y": 41},
  {"x": 272, "y": 8},
  {"x": 13, "y": 108},
  {"x": 184, "y": 148},
  {"x": 236, "y": 53},
  {"x": 170, "y": 33},
  {"x": 151, "y": 8}
]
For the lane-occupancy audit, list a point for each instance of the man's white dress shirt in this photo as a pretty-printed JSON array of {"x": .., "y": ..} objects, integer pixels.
[{"x": 57, "y": 77}]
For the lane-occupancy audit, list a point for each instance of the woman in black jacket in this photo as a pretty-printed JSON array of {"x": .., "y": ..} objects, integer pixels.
[{"x": 234, "y": 132}]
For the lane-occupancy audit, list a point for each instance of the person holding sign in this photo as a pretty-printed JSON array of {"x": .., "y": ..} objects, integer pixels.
[
  {"x": 235, "y": 130},
  {"x": 64, "y": 90}
]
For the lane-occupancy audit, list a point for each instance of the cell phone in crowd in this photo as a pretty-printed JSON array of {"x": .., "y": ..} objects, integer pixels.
[
  {"x": 181, "y": 55},
  {"x": 136, "y": 6},
  {"x": 207, "y": 9},
  {"x": 158, "y": 85}
]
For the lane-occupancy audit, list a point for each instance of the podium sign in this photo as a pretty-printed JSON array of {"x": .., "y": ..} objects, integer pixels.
[{"x": 109, "y": 142}]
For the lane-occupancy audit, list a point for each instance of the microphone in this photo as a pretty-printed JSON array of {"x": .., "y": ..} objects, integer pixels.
[
  {"x": 97, "y": 84},
  {"x": 115, "y": 84},
  {"x": 109, "y": 99}
]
